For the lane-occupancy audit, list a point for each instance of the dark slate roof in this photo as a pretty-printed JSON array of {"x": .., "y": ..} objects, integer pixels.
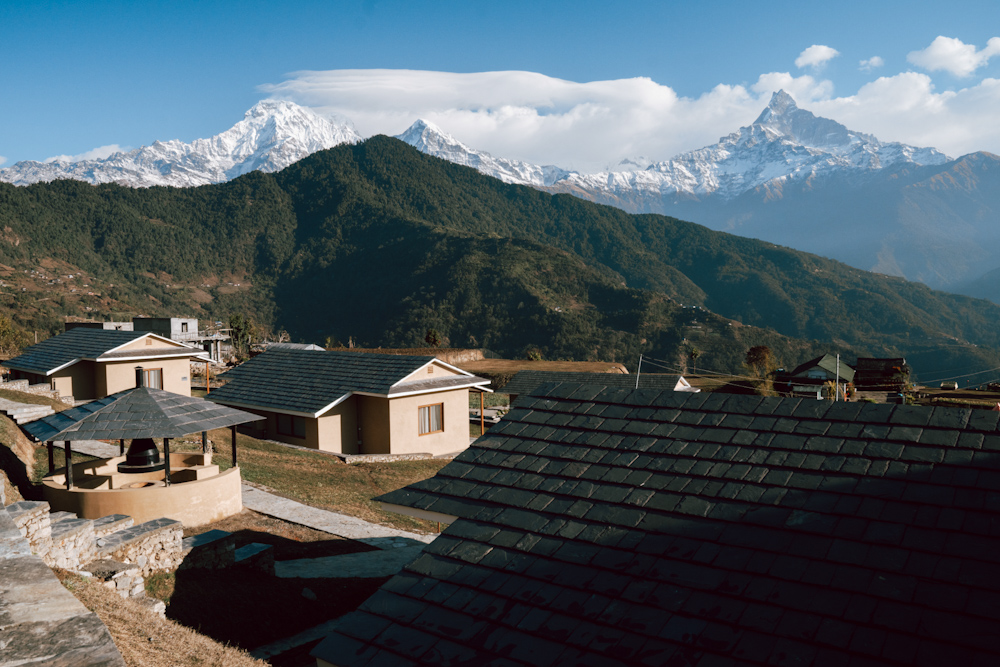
[
  {"x": 308, "y": 381},
  {"x": 137, "y": 413},
  {"x": 827, "y": 362},
  {"x": 607, "y": 527},
  {"x": 82, "y": 343},
  {"x": 525, "y": 382}
]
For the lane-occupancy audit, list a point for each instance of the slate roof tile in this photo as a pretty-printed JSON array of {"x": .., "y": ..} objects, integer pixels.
[{"x": 722, "y": 546}]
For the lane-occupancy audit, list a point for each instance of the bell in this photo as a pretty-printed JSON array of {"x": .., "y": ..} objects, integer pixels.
[{"x": 142, "y": 456}]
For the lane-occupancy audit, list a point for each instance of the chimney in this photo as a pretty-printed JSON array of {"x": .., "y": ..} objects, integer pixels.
[{"x": 140, "y": 377}]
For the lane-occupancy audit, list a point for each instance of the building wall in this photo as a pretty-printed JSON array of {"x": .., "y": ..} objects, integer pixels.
[
  {"x": 337, "y": 429},
  {"x": 373, "y": 425},
  {"x": 117, "y": 376},
  {"x": 78, "y": 381},
  {"x": 438, "y": 371},
  {"x": 404, "y": 424}
]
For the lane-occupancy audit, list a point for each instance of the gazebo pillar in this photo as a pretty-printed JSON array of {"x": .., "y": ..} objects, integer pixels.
[
  {"x": 166, "y": 461},
  {"x": 232, "y": 430},
  {"x": 204, "y": 442},
  {"x": 52, "y": 456},
  {"x": 121, "y": 447},
  {"x": 68, "y": 451}
]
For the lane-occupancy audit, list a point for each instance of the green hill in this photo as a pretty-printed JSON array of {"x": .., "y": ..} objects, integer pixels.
[{"x": 378, "y": 242}]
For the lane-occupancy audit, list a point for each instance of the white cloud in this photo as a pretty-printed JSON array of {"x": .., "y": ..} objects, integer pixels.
[
  {"x": 2, "y": 159},
  {"x": 588, "y": 126},
  {"x": 954, "y": 56},
  {"x": 872, "y": 63},
  {"x": 98, "y": 153},
  {"x": 816, "y": 56},
  {"x": 533, "y": 117}
]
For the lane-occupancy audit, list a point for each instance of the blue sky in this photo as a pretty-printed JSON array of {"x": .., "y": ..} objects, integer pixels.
[{"x": 76, "y": 76}]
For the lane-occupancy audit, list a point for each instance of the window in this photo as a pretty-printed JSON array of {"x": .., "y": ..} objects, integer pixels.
[
  {"x": 184, "y": 327},
  {"x": 153, "y": 378},
  {"x": 292, "y": 425},
  {"x": 430, "y": 418}
]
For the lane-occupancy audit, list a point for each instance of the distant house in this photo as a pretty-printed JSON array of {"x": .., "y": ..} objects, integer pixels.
[
  {"x": 526, "y": 382},
  {"x": 90, "y": 363},
  {"x": 215, "y": 341},
  {"x": 873, "y": 374},
  {"x": 810, "y": 377},
  {"x": 596, "y": 526},
  {"x": 355, "y": 403}
]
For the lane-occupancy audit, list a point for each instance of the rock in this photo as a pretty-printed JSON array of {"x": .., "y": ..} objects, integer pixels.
[{"x": 308, "y": 594}]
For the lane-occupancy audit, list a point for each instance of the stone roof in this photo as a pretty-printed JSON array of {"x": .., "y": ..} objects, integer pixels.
[
  {"x": 141, "y": 412},
  {"x": 309, "y": 381},
  {"x": 526, "y": 382},
  {"x": 605, "y": 526},
  {"x": 82, "y": 343}
]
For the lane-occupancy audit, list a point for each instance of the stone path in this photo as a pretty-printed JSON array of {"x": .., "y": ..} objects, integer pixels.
[{"x": 341, "y": 525}]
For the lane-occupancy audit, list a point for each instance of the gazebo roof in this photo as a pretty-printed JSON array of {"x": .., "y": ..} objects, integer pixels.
[{"x": 141, "y": 412}]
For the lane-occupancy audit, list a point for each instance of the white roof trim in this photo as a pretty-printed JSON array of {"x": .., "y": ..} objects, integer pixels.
[
  {"x": 440, "y": 389},
  {"x": 139, "y": 357},
  {"x": 435, "y": 360},
  {"x": 140, "y": 338}
]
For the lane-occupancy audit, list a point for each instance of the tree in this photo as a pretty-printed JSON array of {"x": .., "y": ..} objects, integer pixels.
[
  {"x": 433, "y": 338},
  {"x": 693, "y": 354},
  {"x": 760, "y": 361},
  {"x": 12, "y": 338},
  {"x": 241, "y": 330}
]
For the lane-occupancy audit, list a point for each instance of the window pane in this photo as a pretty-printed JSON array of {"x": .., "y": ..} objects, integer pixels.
[
  {"x": 430, "y": 418},
  {"x": 154, "y": 378},
  {"x": 424, "y": 417}
]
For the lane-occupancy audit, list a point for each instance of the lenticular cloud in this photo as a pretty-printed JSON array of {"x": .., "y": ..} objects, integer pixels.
[{"x": 589, "y": 126}]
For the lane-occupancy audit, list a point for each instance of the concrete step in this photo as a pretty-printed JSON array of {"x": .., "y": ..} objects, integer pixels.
[
  {"x": 111, "y": 523},
  {"x": 258, "y": 556},
  {"x": 152, "y": 545},
  {"x": 56, "y": 517},
  {"x": 212, "y": 550}
]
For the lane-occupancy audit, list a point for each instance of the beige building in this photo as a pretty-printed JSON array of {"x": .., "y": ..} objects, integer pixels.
[
  {"x": 93, "y": 363},
  {"x": 354, "y": 402}
]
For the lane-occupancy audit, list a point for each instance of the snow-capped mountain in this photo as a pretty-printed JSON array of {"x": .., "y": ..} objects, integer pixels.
[
  {"x": 784, "y": 143},
  {"x": 272, "y": 135},
  {"x": 430, "y": 139}
]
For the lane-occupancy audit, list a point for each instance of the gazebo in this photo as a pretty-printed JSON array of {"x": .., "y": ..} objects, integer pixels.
[{"x": 182, "y": 485}]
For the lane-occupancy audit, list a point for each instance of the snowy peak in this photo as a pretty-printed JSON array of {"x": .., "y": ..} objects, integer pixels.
[
  {"x": 783, "y": 116},
  {"x": 430, "y": 139},
  {"x": 272, "y": 135}
]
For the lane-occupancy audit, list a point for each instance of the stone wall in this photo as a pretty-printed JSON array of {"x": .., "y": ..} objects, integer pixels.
[
  {"x": 32, "y": 519},
  {"x": 213, "y": 550},
  {"x": 42, "y": 622},
  {"x": 153, "y": 546}
]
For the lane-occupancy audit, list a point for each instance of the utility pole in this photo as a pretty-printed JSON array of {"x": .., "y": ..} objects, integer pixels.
[
  {"x": 836, "y": 391},
  {"x": 637, "y": 371}
]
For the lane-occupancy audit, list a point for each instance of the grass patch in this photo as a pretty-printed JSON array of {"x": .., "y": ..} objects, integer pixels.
[
  {"x": 41, "y": 468},
  {"x": 145, "y": 639},
  {"x": 321, "y": 480}
]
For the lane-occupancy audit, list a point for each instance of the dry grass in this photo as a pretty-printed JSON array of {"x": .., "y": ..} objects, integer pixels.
[
  {"x": 505, "y": 366},
  {"x": 145, "y": 639},
  {"x": 321, "y": 480}
]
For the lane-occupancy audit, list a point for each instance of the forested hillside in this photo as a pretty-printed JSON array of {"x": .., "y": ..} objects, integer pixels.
[{"x": 379, "y": 243}]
